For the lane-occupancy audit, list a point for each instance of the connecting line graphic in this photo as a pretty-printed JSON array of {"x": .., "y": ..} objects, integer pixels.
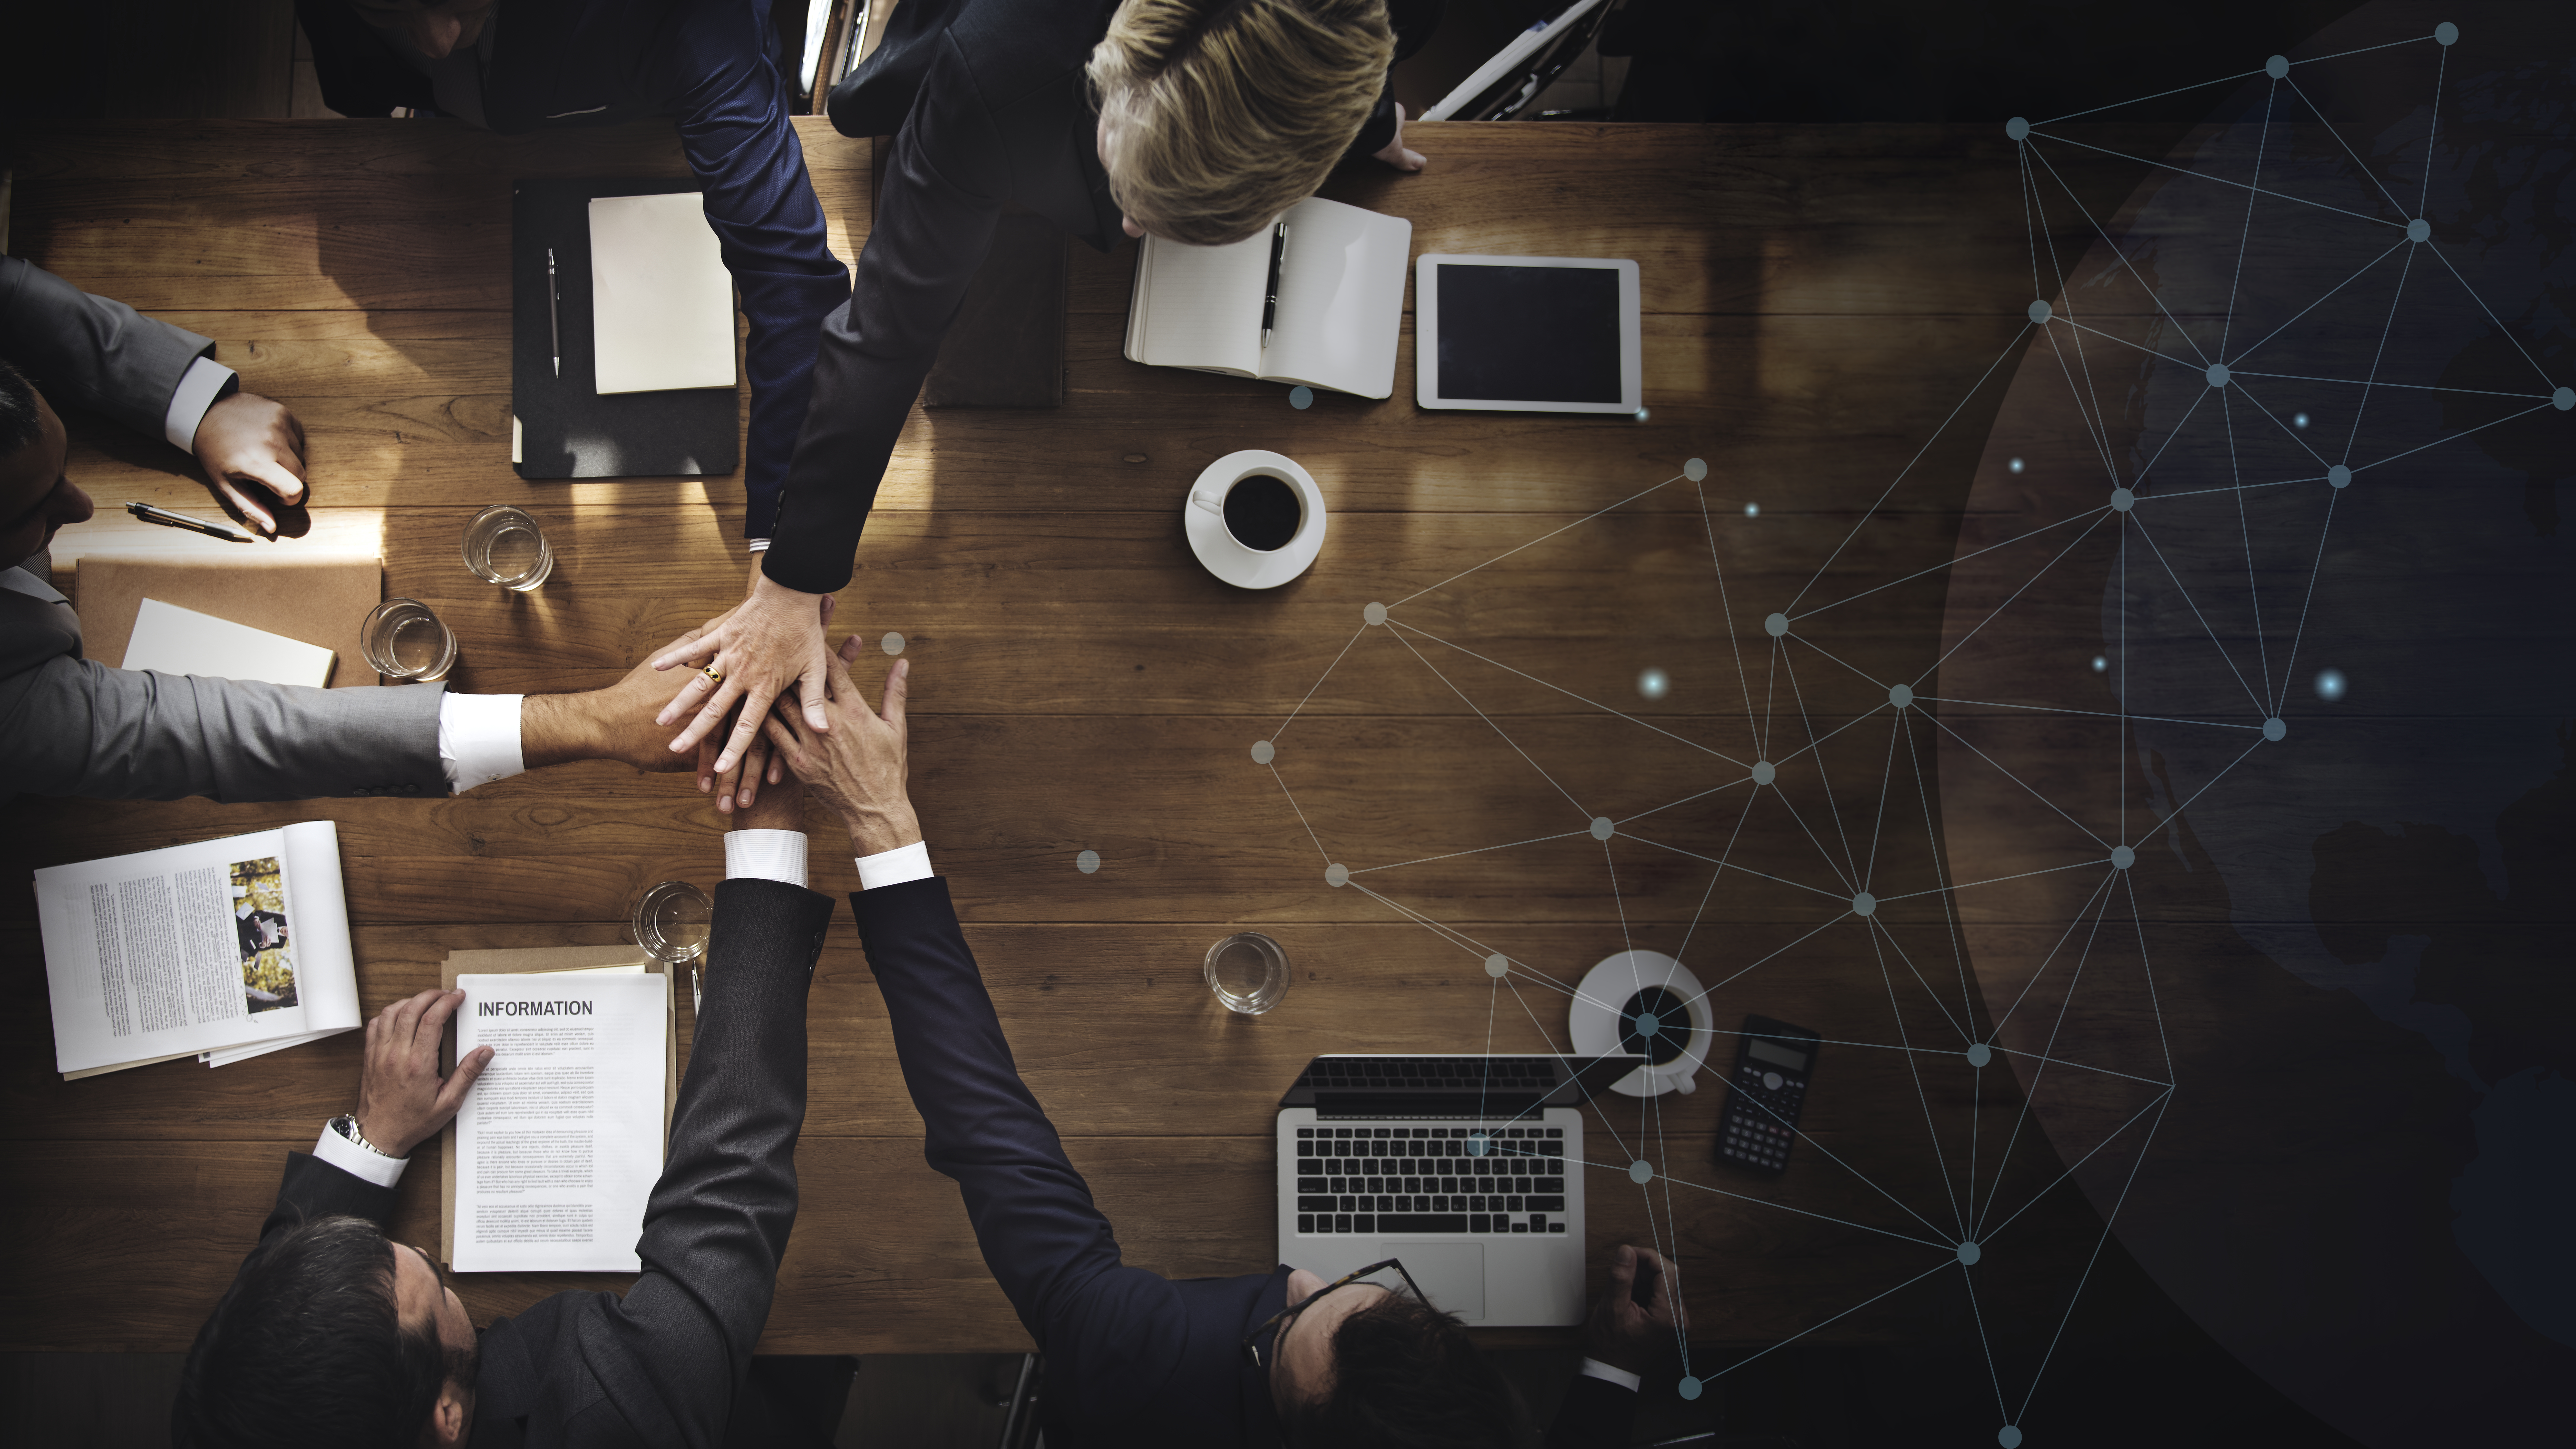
[{"x": 1883, "y": 878}]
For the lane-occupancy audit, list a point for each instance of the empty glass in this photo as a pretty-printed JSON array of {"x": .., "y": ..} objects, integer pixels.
[
  {"x": 402, "y": 639},
  {"x": 671, "y": 921},
  {"x": 504, "y": 546},
  {"x": 1248, "y": 972}
]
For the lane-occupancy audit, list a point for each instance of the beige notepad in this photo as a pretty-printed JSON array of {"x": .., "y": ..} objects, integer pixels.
[{"x": 661, "y": 300}]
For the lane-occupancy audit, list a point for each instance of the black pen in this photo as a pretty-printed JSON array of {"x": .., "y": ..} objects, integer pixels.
[
  {"x": 1270, "y": 301},
  {"x": 554, "y": 317},
  {"x": 167, "y": 519}
]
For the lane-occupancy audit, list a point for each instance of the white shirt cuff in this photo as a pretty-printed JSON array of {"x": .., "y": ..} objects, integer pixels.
[
  {"x": 765, "y": 855},
  {"x": 357, "y": 1161},
  {"x": 894, "y": 867},
  {"x": 478, "y": 738},
  {"x": 1624, "y": 1379},
  {"x": 759, "y": 545},
  {"x": 195, "y": 393}
]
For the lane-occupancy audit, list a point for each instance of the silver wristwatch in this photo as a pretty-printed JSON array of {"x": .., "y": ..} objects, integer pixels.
[{"x": 346, "y": 1124}]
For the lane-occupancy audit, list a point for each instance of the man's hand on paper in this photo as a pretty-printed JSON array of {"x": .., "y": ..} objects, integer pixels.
[
  {"x": 858, "y": 768},
  {"x": 761, "y": 647},
  {"x": 1643, "y": 1338},
  {"x": 253, "y": 452},
  {"x": 401, "y": 1098}
]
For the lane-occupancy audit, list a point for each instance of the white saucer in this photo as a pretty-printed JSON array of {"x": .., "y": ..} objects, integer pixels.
[
  {"x": 1593, "y": 1020},
  {"x": 1249, "y": 568}
]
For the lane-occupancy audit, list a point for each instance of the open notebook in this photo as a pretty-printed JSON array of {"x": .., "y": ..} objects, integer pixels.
[{"x": 1341, "y": 301}]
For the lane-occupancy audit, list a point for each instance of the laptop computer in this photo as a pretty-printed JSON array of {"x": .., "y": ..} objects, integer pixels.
[{"x": 1467, "y": 1167}]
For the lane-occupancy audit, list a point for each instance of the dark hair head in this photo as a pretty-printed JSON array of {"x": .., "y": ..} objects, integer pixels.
[
  {"x": 21, "y": 419},
  {"x": 307, "y": 1349},
  {"x": 1406, "y": 1376}
]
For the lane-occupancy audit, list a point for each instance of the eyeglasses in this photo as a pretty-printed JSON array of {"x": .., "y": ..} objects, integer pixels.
[{"x": 1277, "y": 1323}]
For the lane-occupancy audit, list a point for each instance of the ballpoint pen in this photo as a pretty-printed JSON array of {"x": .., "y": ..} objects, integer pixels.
[
  {"x": 167, "y": 519},
  {"x": 1270, "y": 297},
  {"x": 554, "y": 316}
]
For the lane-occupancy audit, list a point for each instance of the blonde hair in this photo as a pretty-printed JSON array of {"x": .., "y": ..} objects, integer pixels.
[{"x": 1220, "y": 114}]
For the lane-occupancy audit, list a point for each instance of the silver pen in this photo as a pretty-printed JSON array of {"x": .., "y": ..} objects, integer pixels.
[
  {"x": 167, "y": 519},
  {"x": 554, "y": 316}
]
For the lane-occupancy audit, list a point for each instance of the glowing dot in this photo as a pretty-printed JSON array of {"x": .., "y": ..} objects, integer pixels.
[
  {"x": 2101, "y": 664},
  {"x": 1263, "y": 752},
  {"x": 1690, "y": 1387},
  {"x": 1337, "y": 874},
  {"x": 2445, "y": 33},
  {"x": 1980, "y": 1054},
  {"x": 2217, "y": 374},
  {"x": 1764, "y": 772},
  {"x": 1654, "y": 684},
  {"x": 2298, "y": 420},
  {"x": 2038, "y": 311},
  {"x": 2277, "y": 67},
  {"x": 2339, "y": 475},
  {"x": 1642, "y": 414},
  {"x": 2014, "y": 466},
  {"x": 1478, "y": 1143},
  {"x": 1864, "y": 903},
  {"x": 1641, "y": 1171},
  {"x": 2122, "y": 500},
  {"x": 2563, "y": 399},
  {"x": 1301, "y": 398},
  {"x": 1088, "y": 862},
  {"x": 1754, "y": 510},
  {"x": 2009, "y": 1436},
  {"x": 2330, "y": 685},
  {"x": 1374, "y": 613},
  {"x": 1695, "y": 469},
  {"x": 2122, "y": 857},
  {"x": 1900, "y": 695},
  {"x": 1602, "y": 828},
  {"x": 2274, "y": 730},
  {"x": 1498, "y": 965},
  {"x": 1776, "y": 625},
  {"x": 892, "y": 643},
  {"x": 2016, "y": 128},
  {"x": 2419, "y": 230},
  {"x": 1969, "y": 1253},
  {"x": 1648, "y": 1023}
]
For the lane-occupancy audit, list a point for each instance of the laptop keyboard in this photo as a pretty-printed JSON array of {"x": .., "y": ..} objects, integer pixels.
[{"x": 1399, "y": 1178}]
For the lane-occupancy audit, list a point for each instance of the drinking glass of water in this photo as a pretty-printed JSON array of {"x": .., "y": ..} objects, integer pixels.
[
  {"x": 504, "y": 546},
  {"x": 1248, "y": 972},
  {"x": 672, "y": 920},
  {"x": 402, "y": 639}
]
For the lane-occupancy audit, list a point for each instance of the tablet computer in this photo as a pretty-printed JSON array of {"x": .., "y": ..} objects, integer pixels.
[{"x": 1526, "y": 334}]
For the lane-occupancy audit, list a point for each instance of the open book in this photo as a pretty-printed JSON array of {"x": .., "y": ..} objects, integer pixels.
[
  {"x": 214, "y": 948},
  {"x": 1340, "y": 301}
]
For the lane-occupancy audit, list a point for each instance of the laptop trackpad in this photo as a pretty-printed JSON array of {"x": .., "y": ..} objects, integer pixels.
[{"x": 1452, "y": 1275}]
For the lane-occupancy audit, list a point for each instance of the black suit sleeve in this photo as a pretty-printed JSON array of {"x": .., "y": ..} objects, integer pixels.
[
  {"x": 89, "y": 350},
  {"x": 1596, "y": 1414},
  {"x": 660, "y": 1366}
]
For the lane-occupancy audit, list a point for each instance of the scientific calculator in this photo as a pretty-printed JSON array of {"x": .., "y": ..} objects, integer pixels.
[{"x": 1773, "y": 1062}]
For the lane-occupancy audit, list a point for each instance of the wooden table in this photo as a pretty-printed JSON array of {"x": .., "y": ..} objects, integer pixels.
[{"x": 1816, "y": 301}]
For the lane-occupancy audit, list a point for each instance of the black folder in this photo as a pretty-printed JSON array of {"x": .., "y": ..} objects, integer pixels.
[{"x": 565, "y": 428}]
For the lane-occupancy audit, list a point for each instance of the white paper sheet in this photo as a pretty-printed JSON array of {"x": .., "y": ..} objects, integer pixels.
[
  {"x": 172, "y": 640},
  {"x": 661, "y": 300},
  {"x": 560, "y": 1142},
  {"x": 1200, "y": 306},
  {"x": 197, "y": 948},
  {"x": 1341, "y": 298}
]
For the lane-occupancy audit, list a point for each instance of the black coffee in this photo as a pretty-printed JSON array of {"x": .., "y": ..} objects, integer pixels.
[{"x": 1261, "y": 512}]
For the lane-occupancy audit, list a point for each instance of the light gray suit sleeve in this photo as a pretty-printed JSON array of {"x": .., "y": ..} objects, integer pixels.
[
  {"x": 98, "y": 353},
  {"x": 74, "y": 727}
]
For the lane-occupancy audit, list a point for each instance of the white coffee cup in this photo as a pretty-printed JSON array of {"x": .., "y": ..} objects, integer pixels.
[{"x": 1231, "y": 558}]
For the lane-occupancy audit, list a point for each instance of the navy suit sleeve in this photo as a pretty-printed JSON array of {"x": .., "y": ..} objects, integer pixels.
[
  {"x": 716, "y": 76},
  {"x": 1596, "y": 1414},
  {"x": 1113, "y": 1335},
  {"x": 934, "y": 221}
]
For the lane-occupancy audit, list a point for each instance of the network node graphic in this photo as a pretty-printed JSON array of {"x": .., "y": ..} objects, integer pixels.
[{"x": 2213, "y": 514}]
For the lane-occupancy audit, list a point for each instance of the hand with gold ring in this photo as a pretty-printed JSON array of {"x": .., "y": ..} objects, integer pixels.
[
  {"x": 746, "y": 659},
  {"x": 714, "y": 675}
]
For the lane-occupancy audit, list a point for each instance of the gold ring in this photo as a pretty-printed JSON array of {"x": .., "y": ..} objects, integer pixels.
[{"x": 713, "y": 674}]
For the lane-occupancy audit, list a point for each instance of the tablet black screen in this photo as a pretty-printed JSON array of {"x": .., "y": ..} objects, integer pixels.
[{"x": 1529, "y": 334}]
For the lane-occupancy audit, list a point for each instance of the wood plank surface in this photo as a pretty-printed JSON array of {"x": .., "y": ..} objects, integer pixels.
[{"x": 1821, "y": 304}]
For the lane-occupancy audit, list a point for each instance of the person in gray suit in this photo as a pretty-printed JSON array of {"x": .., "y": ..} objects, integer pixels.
[
  {"x": 72, "y": 726},
  {"x": 162, "y": 381}
]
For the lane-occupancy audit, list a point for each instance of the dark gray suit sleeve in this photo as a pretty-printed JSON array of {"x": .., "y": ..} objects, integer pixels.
[
  {"x": 661, "y": 1365},
  {"x": 74, "y": 727},
  {"x": 100, "y": 354}
]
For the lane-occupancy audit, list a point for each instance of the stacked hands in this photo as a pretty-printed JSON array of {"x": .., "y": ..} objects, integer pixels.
[{"x": 746, "y": 659}]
